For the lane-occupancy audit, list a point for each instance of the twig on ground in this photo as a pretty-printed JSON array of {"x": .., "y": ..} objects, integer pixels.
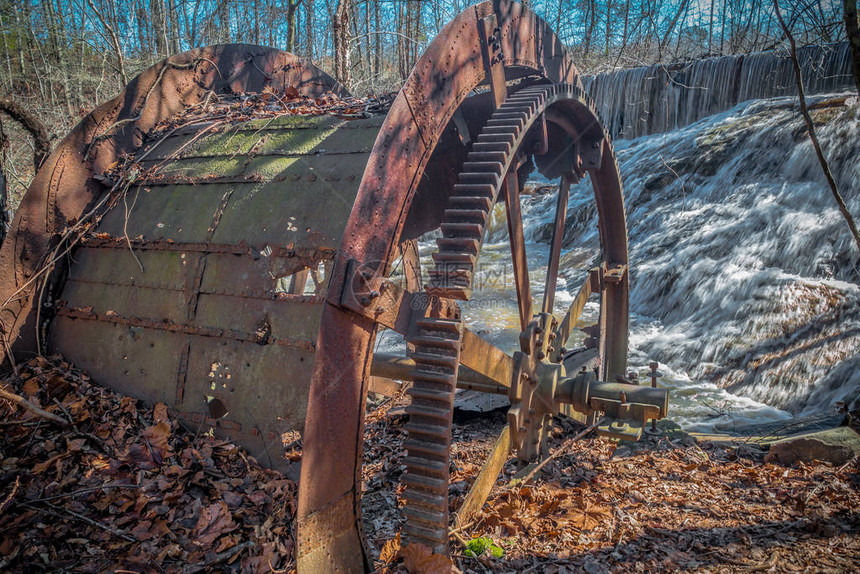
[
  {"x": 228, "y": 554},
  {"x": 563, "y": 449},
  {"x": 84, "y": 491},
  {"x": 21, "y": 401},
  {"x": 12, "y": 494},
  {"x": 82, "y": 518}
]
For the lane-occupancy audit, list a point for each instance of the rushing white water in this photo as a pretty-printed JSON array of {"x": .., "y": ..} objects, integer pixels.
[{"x": 743, "y": 273}]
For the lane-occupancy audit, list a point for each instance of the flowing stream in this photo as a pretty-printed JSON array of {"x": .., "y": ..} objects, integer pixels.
[{"x": 743, "y": 273}]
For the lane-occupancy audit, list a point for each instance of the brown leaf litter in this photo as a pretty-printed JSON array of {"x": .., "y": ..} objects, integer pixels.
[{"x": 124, "y": 486}]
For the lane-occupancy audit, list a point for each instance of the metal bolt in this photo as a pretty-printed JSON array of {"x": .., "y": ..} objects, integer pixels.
[
  {"x": 539, "y": 342},
  {"x": 541, "y": 355}
]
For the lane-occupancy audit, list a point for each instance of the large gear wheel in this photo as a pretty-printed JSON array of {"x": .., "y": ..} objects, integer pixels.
[{"x": 506, "y": 142}]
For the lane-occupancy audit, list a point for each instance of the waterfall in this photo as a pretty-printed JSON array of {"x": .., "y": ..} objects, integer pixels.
[
  {"x": 661, "y": 98},
  {"x": 743, "y": 273}
]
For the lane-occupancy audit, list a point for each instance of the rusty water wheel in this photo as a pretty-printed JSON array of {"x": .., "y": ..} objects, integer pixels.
[
  {"x": 175, "y": 295},
  {"x": 442, "y": 342}
]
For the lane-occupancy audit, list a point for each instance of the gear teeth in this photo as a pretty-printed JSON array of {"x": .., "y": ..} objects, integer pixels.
[
  {"x": 505, "y": 138},
  {"x": 437, "y": 357},
  {"x": 454, "y": 229},
  {"x": 459, "y": 244},
  {"x": 487, "y": 156},
  {"x": 487, "y": 147},
  {"x": 476, "y": 177},
  {"x": 487, "y": 190},
  {"x": 468, "y": 215},
  {"x": 484, "y": 167},
  {"x": 471, "y": 202},
  {"x": 426, "y": 483},
  {"x": 421, "y": 465},
  {"x": 437, "y": 342}
]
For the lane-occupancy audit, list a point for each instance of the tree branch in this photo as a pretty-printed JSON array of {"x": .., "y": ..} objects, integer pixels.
[
  {"x": 32, "y": 124},
  {"x": 811, "y": 127}
]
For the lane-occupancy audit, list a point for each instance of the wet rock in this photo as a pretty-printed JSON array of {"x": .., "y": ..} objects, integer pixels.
[{"x": 836, "y": 446}]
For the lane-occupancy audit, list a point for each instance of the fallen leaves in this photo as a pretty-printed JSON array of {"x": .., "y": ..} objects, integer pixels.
[
  {"x": 419, "y": 559},
  {"x": 126, "y": 485}
]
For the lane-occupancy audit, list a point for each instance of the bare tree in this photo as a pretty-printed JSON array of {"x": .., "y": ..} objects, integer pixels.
[
  {"x": 114, "y": 39},
  {"x": 813, "y": 136},
  {"x": 292, "y": 7},
  {"x": 852, "y": 30},
  {"x": 4, "y": 195},
  {"x": 341, "y": 33}
]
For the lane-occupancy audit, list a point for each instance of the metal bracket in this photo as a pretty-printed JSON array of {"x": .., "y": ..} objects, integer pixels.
[
  {"x": 371, "y": 295},
  {"x": 591, "y": 153},
  {"x": 491, "y": 50},
  {"x": 620, "y": 429}
]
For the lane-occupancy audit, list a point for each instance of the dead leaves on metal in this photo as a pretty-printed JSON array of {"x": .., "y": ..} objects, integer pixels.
[{"x": 269, "y": 103}]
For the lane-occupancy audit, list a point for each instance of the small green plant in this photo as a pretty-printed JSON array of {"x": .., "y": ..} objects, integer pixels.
[{"x": 483, "y": 547}]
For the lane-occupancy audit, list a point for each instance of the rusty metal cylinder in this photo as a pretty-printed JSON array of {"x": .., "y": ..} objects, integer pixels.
[{"x": 586, "y": 394}]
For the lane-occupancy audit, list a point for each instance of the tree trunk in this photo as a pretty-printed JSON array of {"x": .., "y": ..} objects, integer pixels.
[
  {"x": 309, "y": 25},
  {"x": 852, "y": 29},
  {"x": 173, "y": 17},
  {"x": 665, "y": 41},
  {"x": 292, "y": 6},
  {"x": 340, "y": 29},
  {"x": 711, "y": 30},
  {"x": 608, "y": 22},
  {"x": 377, "y": 41},
  {"x": 4, "y": 201}
]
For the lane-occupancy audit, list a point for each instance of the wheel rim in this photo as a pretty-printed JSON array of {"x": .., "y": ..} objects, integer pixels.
[{"x": 490, "y": 170}]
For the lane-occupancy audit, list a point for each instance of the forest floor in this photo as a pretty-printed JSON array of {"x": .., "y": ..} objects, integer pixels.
[{"x": 124, "y": 487}]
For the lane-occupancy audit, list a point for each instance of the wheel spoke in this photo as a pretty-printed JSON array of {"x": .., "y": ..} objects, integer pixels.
[
  {"x": 494, "y": 366},
  {"x": 574, "y": 311},
  {"x": 411, "y": 265},
  {"x": 555, "y": 249},
  {"x": 482, "y": 357},
  {"x": 518, "y": 248},
  {"x": 483, "y": 484}
]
